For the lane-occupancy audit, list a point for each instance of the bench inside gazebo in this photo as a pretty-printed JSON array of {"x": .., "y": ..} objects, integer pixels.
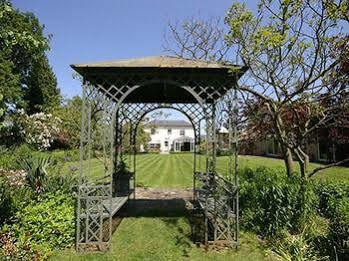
[{"x": 116, "y": 97}]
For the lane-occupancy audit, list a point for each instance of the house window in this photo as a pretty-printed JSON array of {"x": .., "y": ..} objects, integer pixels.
[
  {"x": 169, "y": 131},
  {"x": 273, "y": 147},
  {"x": 182, "y": 132},
  {"x": 178, "y": 147},
  {"x": 166, "y": 143}
]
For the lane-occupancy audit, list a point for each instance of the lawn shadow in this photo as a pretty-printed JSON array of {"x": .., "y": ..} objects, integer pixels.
[
  {"x": 156, "y": 208},
  {"x": 168, "y": 211}
]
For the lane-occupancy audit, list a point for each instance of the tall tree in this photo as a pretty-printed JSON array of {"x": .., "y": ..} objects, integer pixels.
[
  {"x": 23, "y": 47},
  {"x": 10, "y": 87},
  {"x": 288, "y": 46},
  {"x": 41, "y": 93}
]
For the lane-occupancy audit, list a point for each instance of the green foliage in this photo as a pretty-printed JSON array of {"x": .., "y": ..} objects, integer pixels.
[
  {"x": 11, "y": 158},
  {"x": 25, "y": 73},
  {"x": 48, "y": 223},
  {"x": 328, "y": 194},
  {"x": 238, "y": 17},
  {"x": 12, "y": 200},
  {"x": 223, "y": 152},
  {"x": 1, "y": 109},
  {"x": 10, "y": 86},
  {"x": 339, "y": 228},
  {"x": 36, "y": 168},
  {"x": 6, "y": 209},
  {"x": 302, "y": 220},
  {"x": 65, "y": 183},
  {"x": 42, "y": 93},
  {"x": 272, "y": 202},
  {"x": 295, "y": 247},
  {"x": 142, "y": 137},
  {"x": 289, "y": 48},
  {"x": 70, "y": 114},
  {"x": 60, "y": 157}
]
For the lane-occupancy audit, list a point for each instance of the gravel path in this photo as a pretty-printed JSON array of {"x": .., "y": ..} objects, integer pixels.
[{"x": 157, "y": 193}]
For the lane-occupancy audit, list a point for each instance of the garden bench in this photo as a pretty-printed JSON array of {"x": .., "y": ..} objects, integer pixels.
[
  {"x": 108, "y": 206},
  {"x": 213, "y": 197}
]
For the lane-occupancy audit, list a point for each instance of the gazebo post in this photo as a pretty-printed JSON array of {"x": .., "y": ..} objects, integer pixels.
[{"x": 236, "y": 153}]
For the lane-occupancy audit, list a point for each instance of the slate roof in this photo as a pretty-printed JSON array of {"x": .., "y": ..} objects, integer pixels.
[{"x": 169, "y": 123}]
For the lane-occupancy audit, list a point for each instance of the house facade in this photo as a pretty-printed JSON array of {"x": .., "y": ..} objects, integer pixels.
[
  {"x": 170, "y": 135},
  {"x": 320, "y": 150}
]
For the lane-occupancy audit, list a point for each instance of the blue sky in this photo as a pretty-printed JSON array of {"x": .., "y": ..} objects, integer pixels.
[{"x": 86, "y": 31}]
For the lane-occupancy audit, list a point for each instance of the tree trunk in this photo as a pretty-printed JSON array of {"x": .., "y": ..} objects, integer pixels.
[
  {"x": 288, "y": 159},
  {"x": 288, "y": 162},
  {"x": 281, "y": 136},
  {"x": 306, "y": 163},
  {"x": 302, "y": 168},
  {"x": 303, "y": 160}
]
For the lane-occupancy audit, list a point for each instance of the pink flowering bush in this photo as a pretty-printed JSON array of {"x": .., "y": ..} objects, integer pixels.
[
  {"x": 39, "y": 129},
  {"x": 15, "y": 178}
]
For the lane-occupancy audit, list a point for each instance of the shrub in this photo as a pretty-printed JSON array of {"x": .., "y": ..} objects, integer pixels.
[
  {"x": 6, "y": 209},
  {"x": 223, "y": 152},
  {"x": 36, "y": 169},
  {"x": 6, "y": 160},
  {"x": 11, "y": 158},
  {"x": 272, "y": 202},
  {"x": 339, "y": 228},
  {"x": 295, "y": 247},
  {"x": 12, "y": 199},
  {"x": 330, "y": 192},
  {"x": 48, "y": 223},
  {"x": 14, "y": 178},
  {"x": 64, "y": 183},
  {"x": 39, "y": 129}
]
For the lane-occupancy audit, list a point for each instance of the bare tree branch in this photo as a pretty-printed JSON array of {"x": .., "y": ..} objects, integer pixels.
[{"x": 328, "y": 166}]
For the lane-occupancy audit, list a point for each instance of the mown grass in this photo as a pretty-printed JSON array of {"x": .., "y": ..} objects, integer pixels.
[
  {"x": 165, "y": 238},
  {"x": 175, "y": 170},
  {"x": 156, "y": 237}
]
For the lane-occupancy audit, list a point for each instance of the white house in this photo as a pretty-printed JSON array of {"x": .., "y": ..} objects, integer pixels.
[{"x": 170, "y": 135}]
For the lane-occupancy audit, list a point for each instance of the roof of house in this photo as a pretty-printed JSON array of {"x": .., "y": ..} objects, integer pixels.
[{"x": 169, "y": 123}]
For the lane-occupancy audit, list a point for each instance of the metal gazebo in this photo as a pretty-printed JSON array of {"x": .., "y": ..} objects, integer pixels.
[{"x": 116, "y": 97}]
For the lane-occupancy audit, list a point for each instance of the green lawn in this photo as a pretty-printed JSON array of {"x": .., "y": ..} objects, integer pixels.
[
  {"x": 175, "y": 170},
  {"x": 165, "y": 235},
  {"x": 150, "y": 236}
]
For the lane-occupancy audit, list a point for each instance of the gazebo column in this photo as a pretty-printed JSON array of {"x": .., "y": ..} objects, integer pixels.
[
  {"x": 93, "y": 228},
  {"x": 118, "y": 135},
  {"x": 133, "y": 162},
  {"x": 210, "y": 138}
]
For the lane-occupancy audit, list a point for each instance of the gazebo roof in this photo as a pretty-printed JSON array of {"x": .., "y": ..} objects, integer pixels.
[
  {"x": 155, "y": 62},
  {"x": 159, "y": 76}
]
